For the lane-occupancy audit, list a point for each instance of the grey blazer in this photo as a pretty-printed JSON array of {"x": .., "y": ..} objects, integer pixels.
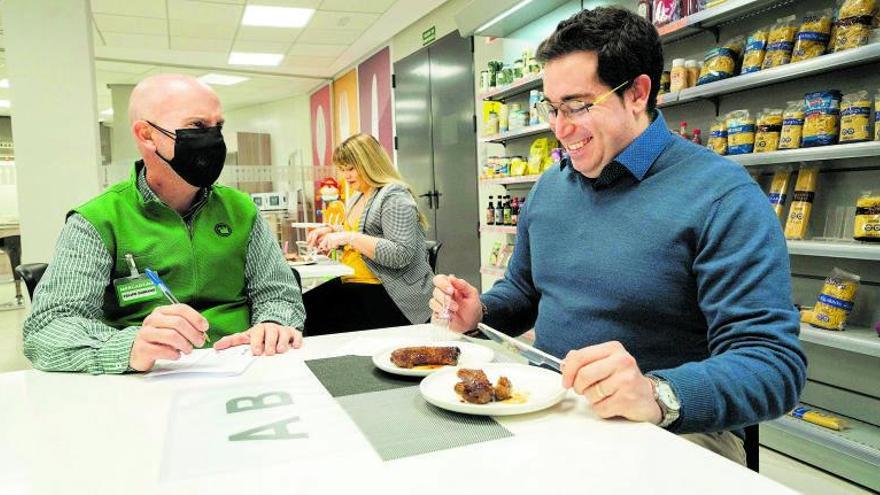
[{"x": 401, "y": 260}]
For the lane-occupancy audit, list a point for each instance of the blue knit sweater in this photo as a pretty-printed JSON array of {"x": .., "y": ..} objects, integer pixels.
[{"x": 674, "y": 252}]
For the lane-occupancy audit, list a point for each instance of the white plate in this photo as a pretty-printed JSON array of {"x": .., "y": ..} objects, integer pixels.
[
  {"x": 534, "y": 389},
  {"x": 471, "y": 355},
  {"x": 301, "y": 263}
]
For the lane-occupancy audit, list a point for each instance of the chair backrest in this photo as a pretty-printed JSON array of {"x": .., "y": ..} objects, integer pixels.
[
  {"x": 297, "y": 276},
  {"x": 751, "y": 447},
  {"x": 31, "y": 273},
  {"x": 433, "y": 248}
]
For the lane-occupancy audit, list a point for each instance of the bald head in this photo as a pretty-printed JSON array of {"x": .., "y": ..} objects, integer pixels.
[{"x": 157, "y": 96}]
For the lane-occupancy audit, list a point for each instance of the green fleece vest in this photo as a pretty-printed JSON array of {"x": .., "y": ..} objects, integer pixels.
[{"x": 203, "y": 266}]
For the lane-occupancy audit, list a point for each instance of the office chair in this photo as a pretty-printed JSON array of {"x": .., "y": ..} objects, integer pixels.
[
  {"x": 31, "y": 273},
  {"x": 433, "y": 248}
]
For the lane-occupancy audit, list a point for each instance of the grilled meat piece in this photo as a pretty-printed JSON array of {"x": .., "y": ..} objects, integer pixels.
[
  {"x": 503, "y": 389},
  {"x": 475, "y": 387},
  {"x": 407, "y": 357}
]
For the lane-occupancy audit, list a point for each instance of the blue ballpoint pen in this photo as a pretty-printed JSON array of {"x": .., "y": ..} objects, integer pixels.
[{"x": 154, "y": 277}]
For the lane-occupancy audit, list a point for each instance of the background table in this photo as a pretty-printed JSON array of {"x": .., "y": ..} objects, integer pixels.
[{"x": 80, "y": 434}]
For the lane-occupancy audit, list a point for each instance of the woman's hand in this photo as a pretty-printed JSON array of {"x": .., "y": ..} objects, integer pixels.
[
  {"x": 332, "y": 241},
  {"x": 314, "y": 237}
]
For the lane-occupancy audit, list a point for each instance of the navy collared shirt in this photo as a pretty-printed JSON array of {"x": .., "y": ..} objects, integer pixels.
[{"x": 636, "y": 159}]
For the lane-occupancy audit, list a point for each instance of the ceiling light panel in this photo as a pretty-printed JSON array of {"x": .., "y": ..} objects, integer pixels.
[
  {"x": 222, "y": 79},
  {"x": 265, "y": 59},
  {"x": 279, "y": 17}
]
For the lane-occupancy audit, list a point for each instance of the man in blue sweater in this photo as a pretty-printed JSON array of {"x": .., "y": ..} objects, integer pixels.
[{"x": 653, "y": 266}]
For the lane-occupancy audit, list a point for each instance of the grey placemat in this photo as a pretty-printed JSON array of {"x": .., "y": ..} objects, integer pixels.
[
  {"x": 347, "y": 375},
  {"x": 399, "y": 423}
]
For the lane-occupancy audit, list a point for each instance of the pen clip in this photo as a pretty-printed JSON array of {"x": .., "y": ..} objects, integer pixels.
[{"x": 131, "y": 265}]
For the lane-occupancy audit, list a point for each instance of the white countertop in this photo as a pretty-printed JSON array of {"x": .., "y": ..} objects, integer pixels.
[
  {"x": 323, "y": 269},
  {"x": 80, "y": 434}
]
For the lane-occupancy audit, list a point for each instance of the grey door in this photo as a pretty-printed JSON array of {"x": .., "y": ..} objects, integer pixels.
[
  {"x": 434, "y": 96},
  {"x": 412, "y": 113}
]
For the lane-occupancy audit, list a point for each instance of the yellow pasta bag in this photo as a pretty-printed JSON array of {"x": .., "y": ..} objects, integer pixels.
[
  {"x": 778, "y": 188},
  {"x": 867, "y": 222},
  {"x": 877, "y": 116},
  {"x": 802, "y": 203},
  {"x": 720, "y": 63},
  {"x": 812, "y": 38},
  {"x": 836, "y": 300},
  {"x": 855, "y": 117},
  {"x": 821, "y": 118},
  {"x": 718, "y": 136},
  {"x": 740, "y": 132},
  {"x": 792, "y": 126},
  {"x": 853, "y": 26},
  {"x": 768, "y": 130},
  {"x": 780, "y": 42},
  {"x": 756, "y": 45}
]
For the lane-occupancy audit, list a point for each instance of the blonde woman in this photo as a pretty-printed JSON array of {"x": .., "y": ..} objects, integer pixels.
[{"x": 383, "y": 239}]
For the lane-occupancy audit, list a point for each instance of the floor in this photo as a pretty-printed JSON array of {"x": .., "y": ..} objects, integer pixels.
[{"x": 773, "y": 465}]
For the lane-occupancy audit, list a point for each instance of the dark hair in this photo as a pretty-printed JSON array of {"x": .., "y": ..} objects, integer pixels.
[{"x": 626, "y": 45}]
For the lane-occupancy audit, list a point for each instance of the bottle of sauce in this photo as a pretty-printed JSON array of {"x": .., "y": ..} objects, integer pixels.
[
  {"x": 683, "y": 130},
  {"x": 490, "y": 212},
  {"x": 697, "y": 137}
]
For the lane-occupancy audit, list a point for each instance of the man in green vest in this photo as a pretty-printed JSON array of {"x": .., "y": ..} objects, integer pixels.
[{"x": 95, "y": 311}]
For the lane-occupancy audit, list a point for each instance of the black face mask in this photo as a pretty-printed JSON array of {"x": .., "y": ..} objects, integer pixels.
[{"x": 198, "y": 154}]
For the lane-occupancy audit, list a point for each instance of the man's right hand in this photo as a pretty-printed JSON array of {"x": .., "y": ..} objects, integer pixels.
[
  {"x": 165, "y": 333},
  {"x": 463, "y": 300}
]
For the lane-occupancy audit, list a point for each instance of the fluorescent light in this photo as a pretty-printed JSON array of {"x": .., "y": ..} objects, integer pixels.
[
  {"x": 4, "y": 83},
  {"x": 5, "y": 104},
  {"x": 503, "y": 15},
  {"x": 221, "y": 80},
  {"x": 107, "y": 112},
  {"x": 284, "y": 17},
  {"x": 243, "y": 58}
]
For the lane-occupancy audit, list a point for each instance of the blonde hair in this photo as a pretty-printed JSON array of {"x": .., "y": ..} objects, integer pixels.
[{"x": 363, "y": 153}]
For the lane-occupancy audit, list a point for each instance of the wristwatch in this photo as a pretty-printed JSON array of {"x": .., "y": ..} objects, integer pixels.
[
  {"x": 670, "y": 407},
  {"x": 476, "y": 331}
]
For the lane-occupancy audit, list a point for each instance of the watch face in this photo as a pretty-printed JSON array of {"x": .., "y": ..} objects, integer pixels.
[{"x": 668, "y": 397}]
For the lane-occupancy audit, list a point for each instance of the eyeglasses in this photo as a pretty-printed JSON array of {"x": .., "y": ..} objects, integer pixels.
[{"x": 572, "y": 107}]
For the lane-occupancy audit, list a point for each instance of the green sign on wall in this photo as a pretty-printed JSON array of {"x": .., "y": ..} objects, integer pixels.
[{"x": 429, "y": 35}]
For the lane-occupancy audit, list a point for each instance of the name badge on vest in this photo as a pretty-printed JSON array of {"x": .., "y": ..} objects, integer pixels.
[{"x": 135, "y": 288}]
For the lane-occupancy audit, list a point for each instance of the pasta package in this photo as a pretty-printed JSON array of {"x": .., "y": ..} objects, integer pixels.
[
  {"x": 853, "y": 26},
  {"x": 756, "y": 45},
  {"x": 813, "y": 36},
  {"x": 802, "y": 203},
  {"x": 720, "y": 63},
  {"x": 836, "y": 300},
  {"x": 855, "y": 117},
  {"x": 718, "y": 136},
  {"x": 867, "y": 224},
  {"x": 769, "y": 130},
  {"x": 740, "y": 132},
  {"x": 792, "y": 126},
  {"x": 821, "y": 118},
  {"x": 877, "y": 116},
  {"x": 780, "y": 42},
  {"x": 778, "y": 188}
]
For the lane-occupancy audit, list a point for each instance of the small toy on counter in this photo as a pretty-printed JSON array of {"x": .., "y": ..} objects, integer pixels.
[
  {"x": 802, "y": 203},
  {"x": 836, "y": 300},
  {"x": 855, "y": 117},
  {"x": 778, "y": 189},
  {"x": 818, "y": 418},
  {"x": 867, "y": 221}
]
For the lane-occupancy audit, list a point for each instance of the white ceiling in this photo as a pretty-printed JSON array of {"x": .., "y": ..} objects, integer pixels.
[{"x": 134, "y": 39}]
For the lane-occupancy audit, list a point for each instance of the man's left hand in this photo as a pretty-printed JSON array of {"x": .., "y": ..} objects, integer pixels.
[
  {"x": 334, "y": 240},
  {"x": 608, "y": 376},
  {"x": 265, "y": 339}
]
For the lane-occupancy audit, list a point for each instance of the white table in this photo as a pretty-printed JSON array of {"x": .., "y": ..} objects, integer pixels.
[
  {"x": 80, "y": 434},
  {"x": 320, "y": 272}
]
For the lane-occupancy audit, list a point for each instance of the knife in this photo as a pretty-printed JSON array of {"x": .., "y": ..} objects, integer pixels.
[{"x": 535, "y": 356}]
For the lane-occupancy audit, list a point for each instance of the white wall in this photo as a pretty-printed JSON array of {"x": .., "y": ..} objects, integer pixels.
[{"x": 287, "y": 121}]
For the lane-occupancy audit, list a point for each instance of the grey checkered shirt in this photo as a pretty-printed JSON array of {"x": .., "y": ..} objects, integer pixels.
[{"x": 65, "y": 331}]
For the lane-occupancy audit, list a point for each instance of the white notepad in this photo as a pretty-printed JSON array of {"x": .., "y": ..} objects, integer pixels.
[{"x": 228, "y": 362}]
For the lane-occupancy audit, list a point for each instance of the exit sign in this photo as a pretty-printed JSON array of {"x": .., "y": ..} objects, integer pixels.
[{"x": 429, "y": 35}]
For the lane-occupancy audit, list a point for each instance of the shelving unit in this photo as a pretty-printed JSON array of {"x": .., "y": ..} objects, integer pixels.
[
  {"x": 839, "y": 249},
  {"x": 854, "y": 339},
  {"x": 819, "y": 153},
  {"x": 519, "y": 133},
  {"x": 492, "y": 271},
  {"x": 525, "y": 179},
  {"x": 826, "y": 63},
  {"x": 503, "y": 229},
  {"x": 853, "y": 453},
  {"x": 710, "y": 19},
  {"x": 517, "y": 87}
]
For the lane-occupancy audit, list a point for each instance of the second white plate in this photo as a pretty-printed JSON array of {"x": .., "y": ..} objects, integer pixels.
[{"x": 472, "y": 355}]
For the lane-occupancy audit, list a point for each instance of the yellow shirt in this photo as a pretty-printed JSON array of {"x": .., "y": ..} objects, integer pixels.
[{"x": 352, "y": 257}]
